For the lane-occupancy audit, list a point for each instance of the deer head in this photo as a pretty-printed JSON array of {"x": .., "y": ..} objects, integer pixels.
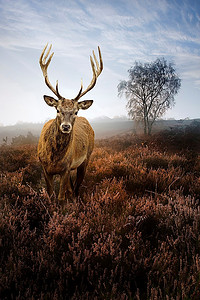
[{"x": 67, "y": 109}]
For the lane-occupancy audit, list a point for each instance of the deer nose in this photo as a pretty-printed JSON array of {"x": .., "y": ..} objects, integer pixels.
[{"x": 66, "y": 127}]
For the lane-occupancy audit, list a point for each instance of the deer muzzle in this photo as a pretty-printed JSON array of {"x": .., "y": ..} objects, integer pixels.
[{"x": 66, "y": 127}]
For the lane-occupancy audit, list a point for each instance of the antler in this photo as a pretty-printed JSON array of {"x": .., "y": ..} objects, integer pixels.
[
  {"x": 96, "y": 72},
  {"x": 44, "y": 66}
]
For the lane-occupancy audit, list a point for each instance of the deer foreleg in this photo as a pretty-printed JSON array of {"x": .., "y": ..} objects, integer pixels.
[
  {"x": 65, "y": 186},
  {"x": 49, "y": 182},
  {"x": 80, "y": 176}
]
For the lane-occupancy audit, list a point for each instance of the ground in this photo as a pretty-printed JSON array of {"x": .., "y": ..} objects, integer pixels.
[{"x": 133, "y": 233}]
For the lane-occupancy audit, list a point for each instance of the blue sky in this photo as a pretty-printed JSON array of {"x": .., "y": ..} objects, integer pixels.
[{"x": 126, "y": 30}]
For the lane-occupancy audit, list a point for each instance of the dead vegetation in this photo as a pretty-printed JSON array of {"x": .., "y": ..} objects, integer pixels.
[{"x": 132, "y": 234}]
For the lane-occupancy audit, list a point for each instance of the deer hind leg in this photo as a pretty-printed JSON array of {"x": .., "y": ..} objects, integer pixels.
[
  {"x": 80, "y": 175},
  {"x": 49, "y": 182},
  {"x": 65, "y": 186}
]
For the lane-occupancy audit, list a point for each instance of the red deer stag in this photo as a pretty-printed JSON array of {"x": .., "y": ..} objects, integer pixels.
[{"x": 67, "y": 141}]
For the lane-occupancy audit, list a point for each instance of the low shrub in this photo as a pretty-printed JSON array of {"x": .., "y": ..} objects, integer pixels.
[{"x": 133, "y": 233}]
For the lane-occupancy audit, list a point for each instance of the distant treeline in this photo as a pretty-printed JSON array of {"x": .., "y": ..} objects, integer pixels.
[
  {"x": 23, "y": 140},
  {"x": 28, "y": 133}
]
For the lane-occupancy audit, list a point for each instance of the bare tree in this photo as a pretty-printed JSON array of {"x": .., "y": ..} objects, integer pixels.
[{"x": 150, "y": 91}]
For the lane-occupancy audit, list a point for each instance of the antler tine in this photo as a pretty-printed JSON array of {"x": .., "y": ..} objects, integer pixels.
[
  {"x": 101, "y": 60},
  {"x": 42, "y": 61},
  {"x": 99, "y": 69},
  {"x": 42, "y": 54},
  {"x": 96, "y": 72},
  {"x": 48, "y": 51},
  {"x": 44, "y": 65},
  {"x": 79, "y": 93},
  {"x": 58, "y": 94},
  {"x": 96, "y": 61}
]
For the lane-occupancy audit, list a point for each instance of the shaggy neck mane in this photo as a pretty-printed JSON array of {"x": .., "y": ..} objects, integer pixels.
[
  {"x": 59, "y": 141},
  {"x": 62, "y": 139}
]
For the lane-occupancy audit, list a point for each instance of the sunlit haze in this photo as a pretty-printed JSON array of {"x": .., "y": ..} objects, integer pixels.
[{"x": 126, "y": 31}]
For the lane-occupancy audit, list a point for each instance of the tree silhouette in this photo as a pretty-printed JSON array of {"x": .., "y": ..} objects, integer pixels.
[{"x": 150, "y": 91}]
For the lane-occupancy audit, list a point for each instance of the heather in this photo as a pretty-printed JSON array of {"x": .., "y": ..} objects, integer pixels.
[{"x": 133, "y": 233}]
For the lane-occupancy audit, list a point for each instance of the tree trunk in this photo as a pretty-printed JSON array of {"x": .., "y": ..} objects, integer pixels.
[
  {"x": 150, "y": 125},
  {"x": 149, "y": 130},
  {"x": 145, "y": 126}
]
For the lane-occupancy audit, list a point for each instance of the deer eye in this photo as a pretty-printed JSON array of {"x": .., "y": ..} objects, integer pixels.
[
  {"x": 76, "y": 113},
  {"x": 58, "y": 111}
]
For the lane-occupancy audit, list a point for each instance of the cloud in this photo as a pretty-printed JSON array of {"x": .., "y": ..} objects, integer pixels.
[{"x": 126, "y": 30}]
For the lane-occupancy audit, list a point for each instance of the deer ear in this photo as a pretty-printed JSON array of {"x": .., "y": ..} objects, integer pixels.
[
  {"x": 50, "y": 101},
  {"x": 85, "y": 104}
]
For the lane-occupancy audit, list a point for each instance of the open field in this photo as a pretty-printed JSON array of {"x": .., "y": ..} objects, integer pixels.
[{"x": 132, "y": 234}]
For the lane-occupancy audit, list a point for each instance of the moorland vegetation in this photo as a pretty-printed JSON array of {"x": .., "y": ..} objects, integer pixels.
[{"x": 133, "y": 233}]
